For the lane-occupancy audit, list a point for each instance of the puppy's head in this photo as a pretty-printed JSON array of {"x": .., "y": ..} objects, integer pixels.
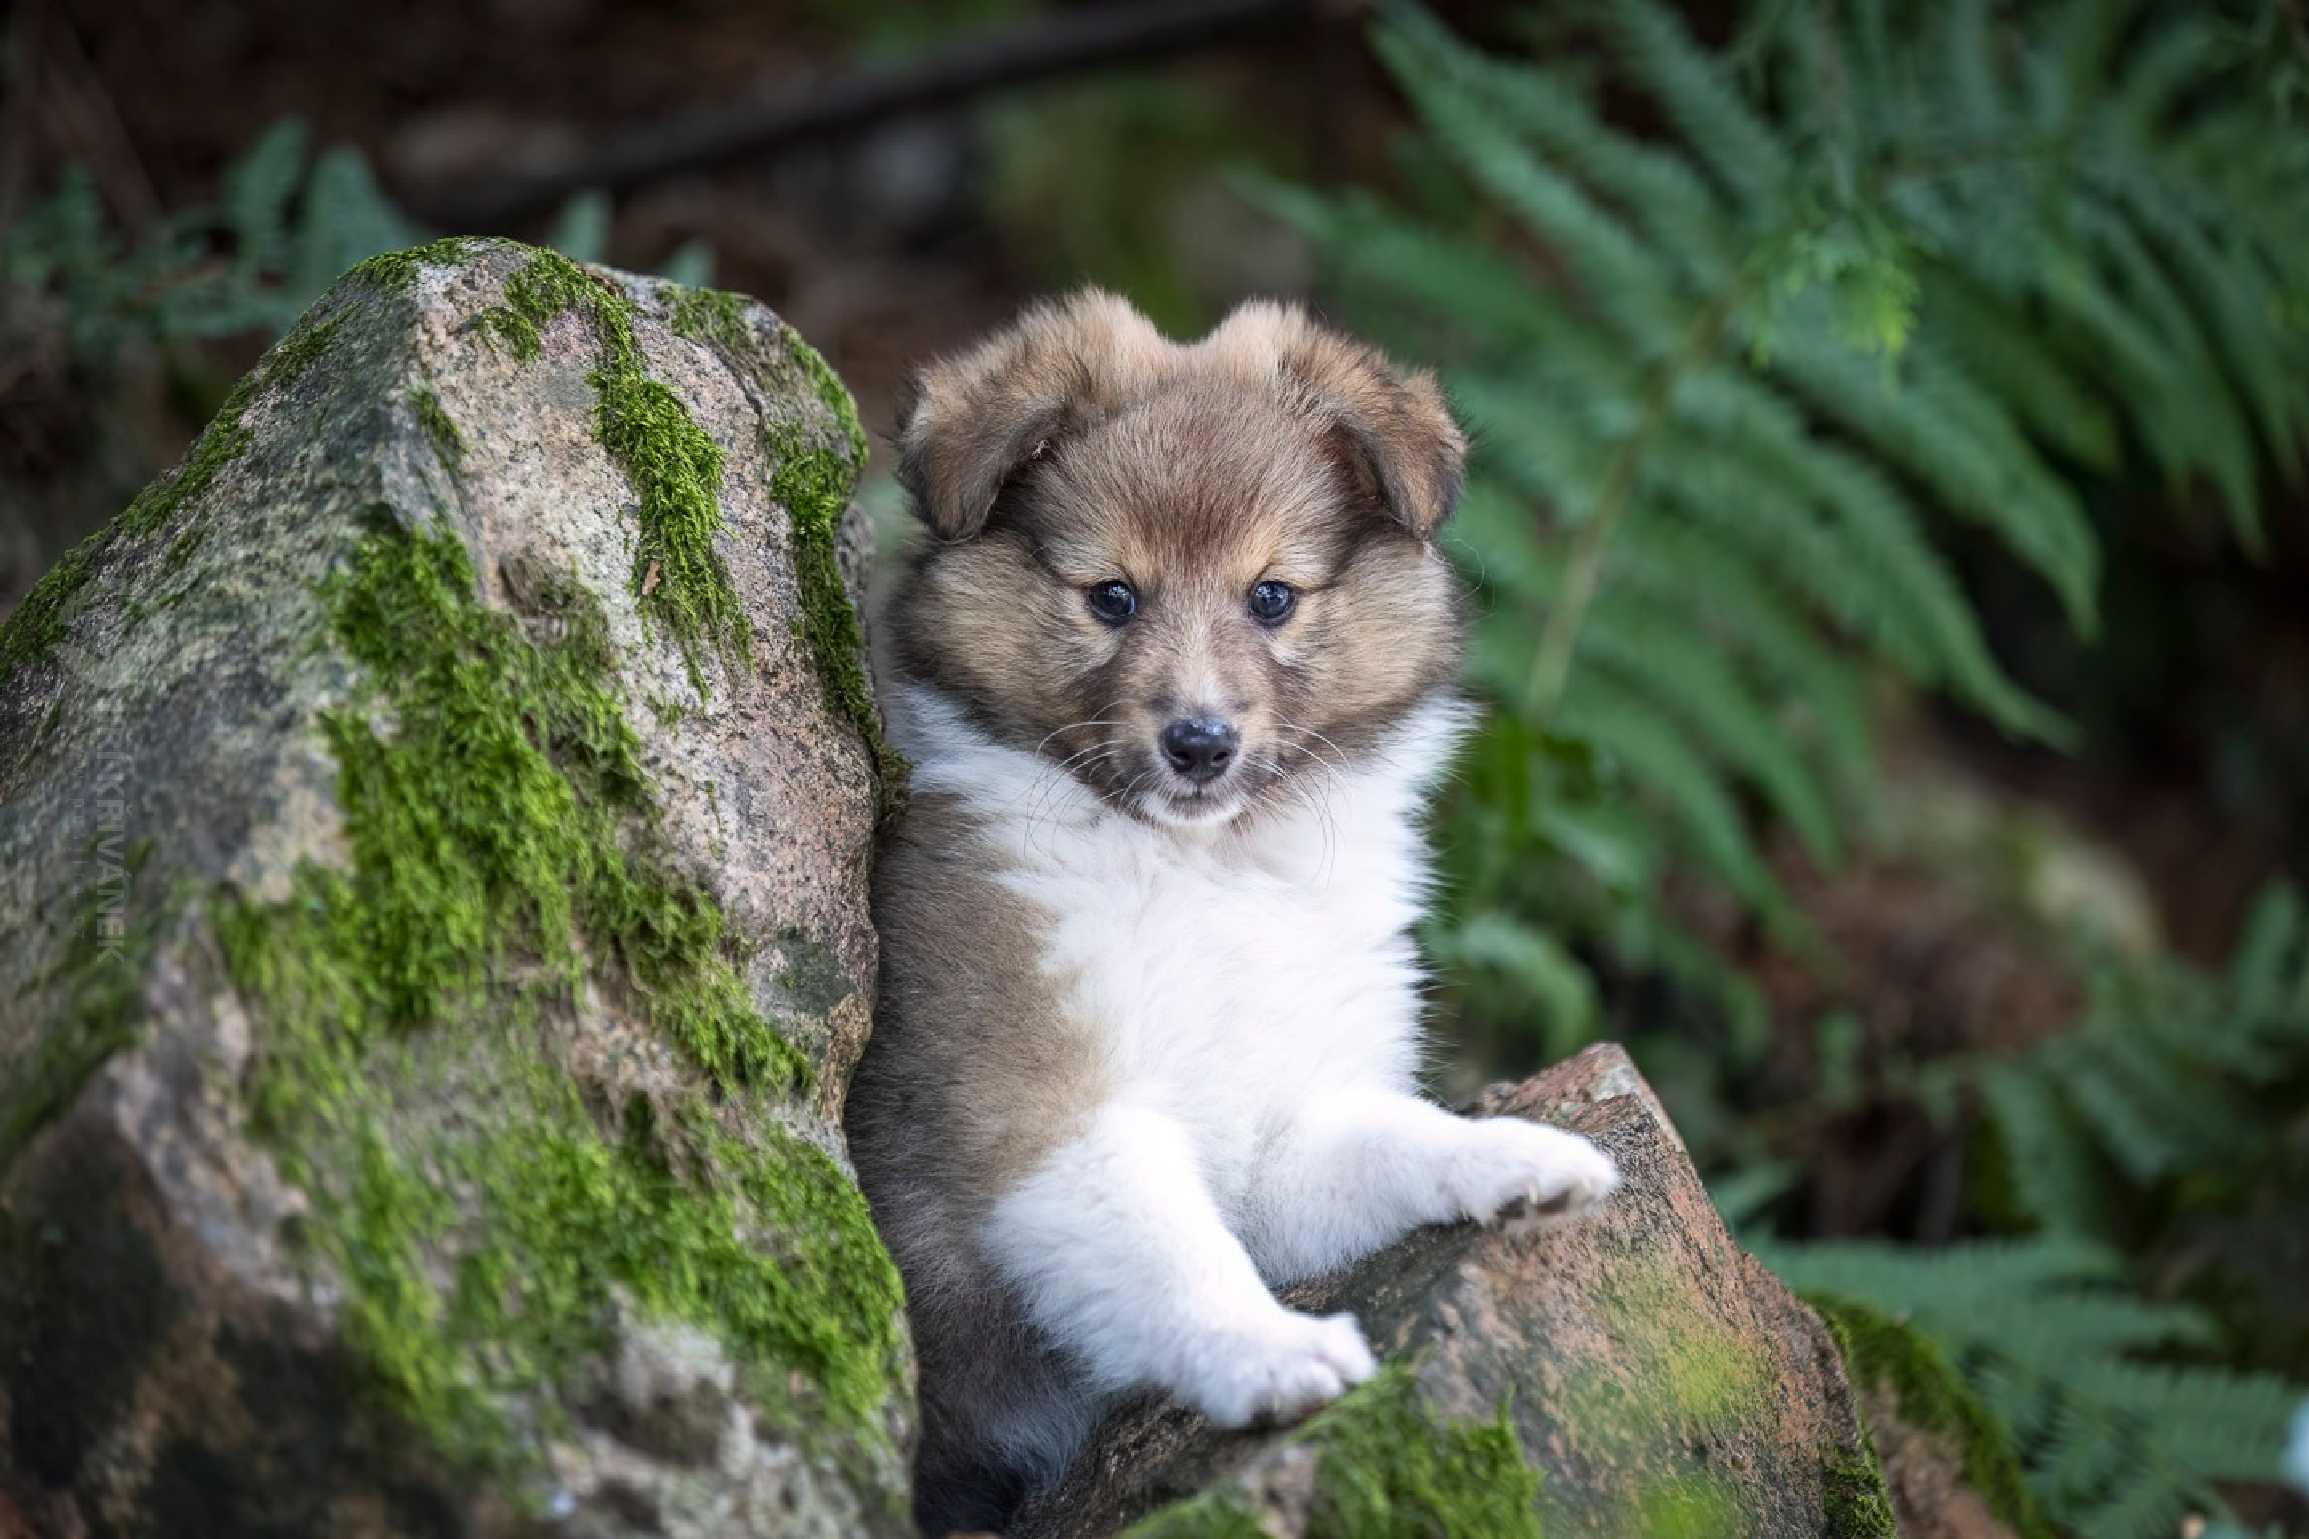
[{"x": 1193, "y": 575}]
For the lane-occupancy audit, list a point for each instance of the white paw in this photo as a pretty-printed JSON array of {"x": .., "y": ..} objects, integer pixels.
[
  {"x": 1515, "y": 1170},
  {"x": 1279, "y": 1370}
]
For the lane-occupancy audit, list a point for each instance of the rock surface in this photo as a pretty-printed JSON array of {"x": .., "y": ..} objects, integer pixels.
[
  {"x": 1634, "y": 1374},
  {"x": 434, "y": 827}
]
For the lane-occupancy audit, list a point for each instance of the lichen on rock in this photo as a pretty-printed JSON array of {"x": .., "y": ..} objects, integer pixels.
[
  {"x": 676, "y": 468},
  {"x": 815, "y": 470},
  {"x": 1916, "y": 1396},
  {"x": 485, "y": 825},
  {"x": 1630, "y": 1376},
  {"x": 455, "y": 1067},
  {"x": 38, "y": 622},
  {"x": 1385, "y": 1465}
]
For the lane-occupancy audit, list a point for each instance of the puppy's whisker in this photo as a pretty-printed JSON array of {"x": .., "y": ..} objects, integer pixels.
[
  {"x": 1052, "y": 782},
  {"x": 1098, "y": 720},
  {"x": 1292, "y": 726}
]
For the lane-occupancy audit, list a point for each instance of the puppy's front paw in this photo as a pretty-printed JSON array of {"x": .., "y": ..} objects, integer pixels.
[
  {"x": 1515, "y": 1170},
  {"x": 1280, "y": 1369}
]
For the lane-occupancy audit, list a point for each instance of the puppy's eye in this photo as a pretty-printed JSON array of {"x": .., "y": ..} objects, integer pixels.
[
  {"x": 1113, "y": 602},
  {"x": 1271, "y": 602}
]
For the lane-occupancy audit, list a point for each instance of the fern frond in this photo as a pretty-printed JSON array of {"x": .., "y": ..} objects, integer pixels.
[
  {"x": 2203, "y": 427},
  {"x": 1726, "y": 134},
  {"x": 2218, "y": 1423},
  {"x": 1692, "y": 572},
  {"x": 2158, "y": 1080},
  {"x": 1937, "y": 427},
  {"x": 2050, "y": 1339},
  {"x": 1675, "y": 209},
  {"x": 2057, "y": 1177},
  {"x": 1622, "y": 279},
  {"x": 1546, "y": 976},
  {"x": 1661, "y": 760},
  {"x": 1883, "y": 555},
  {"x": 1655, "y": 654},
  {"x": 2054, "y": 402},
  {"x": 2271, "y": 968},
  {"x": 1855, "y": 289},
  {"x": 1484, "y": 293}
]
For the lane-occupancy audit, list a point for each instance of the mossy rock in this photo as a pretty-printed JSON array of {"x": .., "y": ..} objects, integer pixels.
[
  {"x": 434, "y": 832},
  {"x": 1951, "y": 1465},
  {"x": 1631, "y": 1376}
]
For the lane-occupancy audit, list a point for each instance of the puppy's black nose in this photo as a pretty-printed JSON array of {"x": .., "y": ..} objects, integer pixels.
[{"x": 1199, "y": 748}]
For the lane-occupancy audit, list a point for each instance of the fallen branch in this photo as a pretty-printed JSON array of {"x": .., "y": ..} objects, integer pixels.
[{"x": 1060, "y": 45}]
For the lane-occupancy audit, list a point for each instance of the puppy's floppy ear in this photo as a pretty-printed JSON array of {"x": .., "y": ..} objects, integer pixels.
[
  {"x": 1393, "y": 426},
  {"x": 975, "y": 420}
]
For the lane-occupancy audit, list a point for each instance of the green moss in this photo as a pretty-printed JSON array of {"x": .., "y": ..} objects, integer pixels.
[
  {"x": 299, "y": 350},
  {"x": 813, "y": 485},
  {"x": 813, "y": 482},
  {"x": 511, "y": 330},
  {"x": 711, "y": 315},
  {"x": 677, "y": 470},
  {"x": 498, "y": 834},
  {"x": 392, "y": 272},
  {"x": 37, "y": 624},
  {"x": 1683, "y": 1507},
  {"x": 1696, "y": 1377},
  {"x": 220, "y": 443},
  {"x": 675, "y": 467},
  {"x": 1881, "y": 1353},
  {"x": 33, "y": 630},
  {"x": 98, "y": 981},
  {"x": 1387, "y": 1467},
  {"x": 447, "y": 441},
  {"x": 545, "y": 287},
  {"x": 1854, "y": 1503},
  {"x": 837, "y": 400},
  {"x": 775, "y": 1259},
  {"x": 1220, "y": 1514},
  {"x": 225, "y": 438},
  {"x": 488, "y": 822}
]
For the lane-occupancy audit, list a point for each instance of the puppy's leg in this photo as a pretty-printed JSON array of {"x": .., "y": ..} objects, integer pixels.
[
  {"x": 1354, "y": 1172},
  {"x": 1122, "y": 1256}
]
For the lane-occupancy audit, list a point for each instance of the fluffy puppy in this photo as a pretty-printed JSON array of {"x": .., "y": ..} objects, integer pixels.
[{"x": 1174, "y": 668}]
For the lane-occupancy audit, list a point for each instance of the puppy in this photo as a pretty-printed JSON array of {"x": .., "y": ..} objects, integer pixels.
[{"x": 1175, "y": 670}]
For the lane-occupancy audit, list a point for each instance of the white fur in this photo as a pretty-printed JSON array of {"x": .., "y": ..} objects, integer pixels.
[{"x": 1255, "y": 998}]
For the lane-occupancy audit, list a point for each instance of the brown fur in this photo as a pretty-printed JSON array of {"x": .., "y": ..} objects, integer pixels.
[
  {"x": 972, "y": 1075},
  {"x": 1077, "y": 448},
  {"x": 1081, "y": 446}
]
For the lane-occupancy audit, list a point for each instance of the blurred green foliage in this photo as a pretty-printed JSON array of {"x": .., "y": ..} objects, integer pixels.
[
  {"x": 2143, "y": 1131},
  {"x": 1104, "y": 176},
  {"x": 1883, "y": 271},
  {"x": 286, "y": 224},
  {"x": 1882, "y": 282}
]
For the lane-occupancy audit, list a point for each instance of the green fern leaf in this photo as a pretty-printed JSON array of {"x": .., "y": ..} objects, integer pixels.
[
  {"x": 1660, "y": 759},
  {"x": 1726, "y": 134}
]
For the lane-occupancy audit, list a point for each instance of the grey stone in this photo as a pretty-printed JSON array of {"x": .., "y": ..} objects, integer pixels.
[
  {"x": 1632, "y": 1374},
  {"x": 320, "y": 1211}
]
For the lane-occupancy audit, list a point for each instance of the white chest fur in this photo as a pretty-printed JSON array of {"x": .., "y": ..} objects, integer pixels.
[
  {"x": 1250, "y": 994},
  {"x": 1225, "y": 974}
]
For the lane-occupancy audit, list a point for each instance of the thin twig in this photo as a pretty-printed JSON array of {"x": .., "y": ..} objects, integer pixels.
[{"x": 1060, "y": 45}]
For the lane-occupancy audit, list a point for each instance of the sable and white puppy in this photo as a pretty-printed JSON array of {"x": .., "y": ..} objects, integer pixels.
[{"x": 1175, "y": 671}]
